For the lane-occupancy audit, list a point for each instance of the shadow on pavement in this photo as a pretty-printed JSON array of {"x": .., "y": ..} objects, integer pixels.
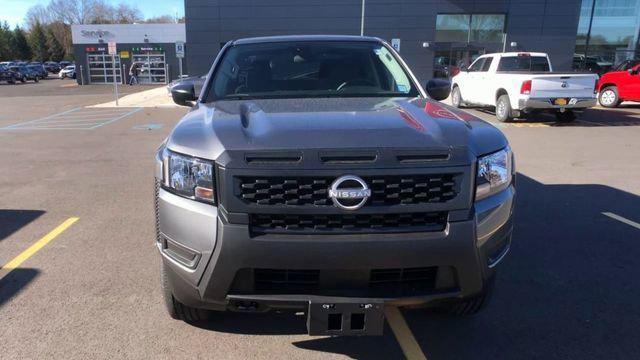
[
  {"x": 625, "y": 115},
  {"x": 14, "y": 282},
  {"x": 13, "y": 220},
  {"x": 569, "y": 289},
  {"x": 286, "y": 323}
]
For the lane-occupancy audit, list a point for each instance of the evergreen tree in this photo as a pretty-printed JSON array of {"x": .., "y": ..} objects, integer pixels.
[
  {"x": 5, "y": 40},
  {"x": 38, "y": 43},
  {"x": 56, "y": 51},
  {"x": 19, "y": 45}
]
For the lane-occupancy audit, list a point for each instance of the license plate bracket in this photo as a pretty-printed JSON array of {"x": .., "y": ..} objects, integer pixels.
[{"x": 345, "y": 318}]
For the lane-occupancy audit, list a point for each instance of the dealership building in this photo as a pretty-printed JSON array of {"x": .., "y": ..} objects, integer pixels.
[
  {"x": 431, "y": 35},
  {"x": 152, "y": 47}
]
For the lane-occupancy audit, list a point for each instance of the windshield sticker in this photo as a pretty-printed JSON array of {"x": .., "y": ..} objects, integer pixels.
[{"x": 402, "y": 88}]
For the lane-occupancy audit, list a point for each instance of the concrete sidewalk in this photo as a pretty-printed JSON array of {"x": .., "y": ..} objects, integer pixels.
[{"x": 153, "y": 98}]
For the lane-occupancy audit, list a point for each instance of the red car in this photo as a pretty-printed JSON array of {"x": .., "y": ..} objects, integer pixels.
[{"x": 622, "y": 84}]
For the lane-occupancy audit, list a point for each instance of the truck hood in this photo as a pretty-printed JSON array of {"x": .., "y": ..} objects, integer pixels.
[{"x": 210, "y": 129}]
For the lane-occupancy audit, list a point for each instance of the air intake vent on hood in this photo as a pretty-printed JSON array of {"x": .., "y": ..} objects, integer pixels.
[
  {"x": 273, "y": 158},
  {"x": 348, "y": 157},
  {"x": 421, "y": 156}
]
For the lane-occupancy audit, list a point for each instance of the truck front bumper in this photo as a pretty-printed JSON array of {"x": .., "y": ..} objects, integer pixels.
[
  {"x": 530, "y": 104},
  {"x": 214, "y": 264}
]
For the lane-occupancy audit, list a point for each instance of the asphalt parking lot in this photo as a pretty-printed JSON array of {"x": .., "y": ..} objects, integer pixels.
[{"x": 568, "y": 289}]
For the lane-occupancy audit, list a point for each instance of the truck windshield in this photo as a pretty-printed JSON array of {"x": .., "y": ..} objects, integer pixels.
[
  {"x": 523, "y": 63},
  {"x": 309, "y": 69}
]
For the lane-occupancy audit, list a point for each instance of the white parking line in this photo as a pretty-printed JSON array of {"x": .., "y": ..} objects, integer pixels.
[
  {"x": 622, "y": 219},
  {"x": 75, "y": 119}
]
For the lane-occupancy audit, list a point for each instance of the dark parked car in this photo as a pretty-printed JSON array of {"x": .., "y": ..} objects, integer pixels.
[
  {"x": 39, "y": 69},
  {"x": 315, "y": 174},
  {"x": 7, "y": 75},
  {"x": 24, "y": 73},
  {"x": 52, "y": 67}
]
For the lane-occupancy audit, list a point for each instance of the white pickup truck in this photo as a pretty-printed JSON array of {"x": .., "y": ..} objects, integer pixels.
[{"x": 516, "y": 83}]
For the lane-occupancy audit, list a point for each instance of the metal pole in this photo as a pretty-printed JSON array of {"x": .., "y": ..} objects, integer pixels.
[
  {"x": 504, "y": 42},
  {"x": 115, "y": 82},
  {"x": 586, "y": 45},
  {"x": 362, "y": 19},
  {"x": 180, "y": 67},
  {"x": 81, "y": 76},
  {"x": 123, "y": 73}
]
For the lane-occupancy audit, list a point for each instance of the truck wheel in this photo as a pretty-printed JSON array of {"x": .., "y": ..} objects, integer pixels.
[
  {"x": 503, "y": 109},
  {"x": 609, "y": 97},
  {"x": 176, "y": 309},
  {"x": 565, "y": 117},
  {"x": 475, "y": 304},
  {"x": 456, "y": 97}
]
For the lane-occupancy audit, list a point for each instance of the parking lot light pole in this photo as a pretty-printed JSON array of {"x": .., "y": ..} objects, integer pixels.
[{"x": 115, "y": 82}]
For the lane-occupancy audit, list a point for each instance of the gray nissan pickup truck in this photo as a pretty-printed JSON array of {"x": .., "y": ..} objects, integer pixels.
[{"x": 314, "y": 174}]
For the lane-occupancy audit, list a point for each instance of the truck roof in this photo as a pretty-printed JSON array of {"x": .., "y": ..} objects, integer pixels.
[
  {"x": 516, "y": 53},
  {"x": 289, "y": 38}
]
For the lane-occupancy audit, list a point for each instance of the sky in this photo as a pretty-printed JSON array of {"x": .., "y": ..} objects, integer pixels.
[{"x": 13, "y": 11}]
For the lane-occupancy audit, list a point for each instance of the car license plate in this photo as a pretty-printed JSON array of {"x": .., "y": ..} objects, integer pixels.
[{"x": 560, "y": 101}]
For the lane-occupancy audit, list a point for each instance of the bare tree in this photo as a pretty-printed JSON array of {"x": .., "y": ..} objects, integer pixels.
[
  {"x": 71, "y": 11},
  {"x": 127, "y": 14},
  {"x": 102, "y": 13},
  {"x": 37, "y": 14}
]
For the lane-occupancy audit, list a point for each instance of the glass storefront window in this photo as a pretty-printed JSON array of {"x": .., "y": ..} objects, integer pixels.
[
  {"x": 452, "y": 28},
  {"x": 607, "y": 34},
  {"x": 487, "y": 28}
]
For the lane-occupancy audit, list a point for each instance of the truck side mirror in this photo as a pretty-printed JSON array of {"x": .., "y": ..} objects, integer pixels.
[
  {"x": 183, "y": 94},
  {"x": 438, "y": 89}
]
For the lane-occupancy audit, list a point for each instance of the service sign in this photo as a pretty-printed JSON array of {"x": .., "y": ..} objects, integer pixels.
[{"x": 112, "y": 48}]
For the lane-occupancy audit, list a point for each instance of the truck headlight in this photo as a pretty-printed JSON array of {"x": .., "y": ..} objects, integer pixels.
[
  {"x": 188, "y": 176},
  {"x": 495, "y": 172}
]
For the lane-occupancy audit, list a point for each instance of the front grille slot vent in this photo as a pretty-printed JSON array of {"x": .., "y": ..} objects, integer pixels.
[
  {"x": 386, "y": 190},
  {"x": 347, "y": 223}
]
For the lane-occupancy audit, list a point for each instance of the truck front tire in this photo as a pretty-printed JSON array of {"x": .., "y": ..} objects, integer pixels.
[
  {"x": 503, "y": 109},
  {"x": 176, "y": 309}
]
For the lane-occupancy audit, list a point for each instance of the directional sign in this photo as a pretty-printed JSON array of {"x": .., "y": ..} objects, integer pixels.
[
  {"x": 112, "y": 48},
  {"x": 179, "y": 49}
]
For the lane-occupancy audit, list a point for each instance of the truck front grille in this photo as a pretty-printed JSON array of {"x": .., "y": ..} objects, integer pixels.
[
  {"x": 347, "y": 223},
  {"x": 385, "y": 190},
  {"x": 364, "y": 282}
]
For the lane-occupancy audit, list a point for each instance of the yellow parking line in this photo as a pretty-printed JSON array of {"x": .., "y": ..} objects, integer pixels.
[
  {"x": 403, "y": 334},
  {"x": 6, "y": 268}
]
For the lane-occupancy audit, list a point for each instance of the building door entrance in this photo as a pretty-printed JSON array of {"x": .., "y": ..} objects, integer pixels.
[
  {"x": 101, "y": 68},
  {"x": 449, "y": 58},
  {"x": 151, "y": 67}
]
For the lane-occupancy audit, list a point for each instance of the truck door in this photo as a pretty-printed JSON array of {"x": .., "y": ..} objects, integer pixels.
[
  {"x": 630, "y": 88},
  {"x": 472, "y": 89},
  {"x": 485, "y": 92}
]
